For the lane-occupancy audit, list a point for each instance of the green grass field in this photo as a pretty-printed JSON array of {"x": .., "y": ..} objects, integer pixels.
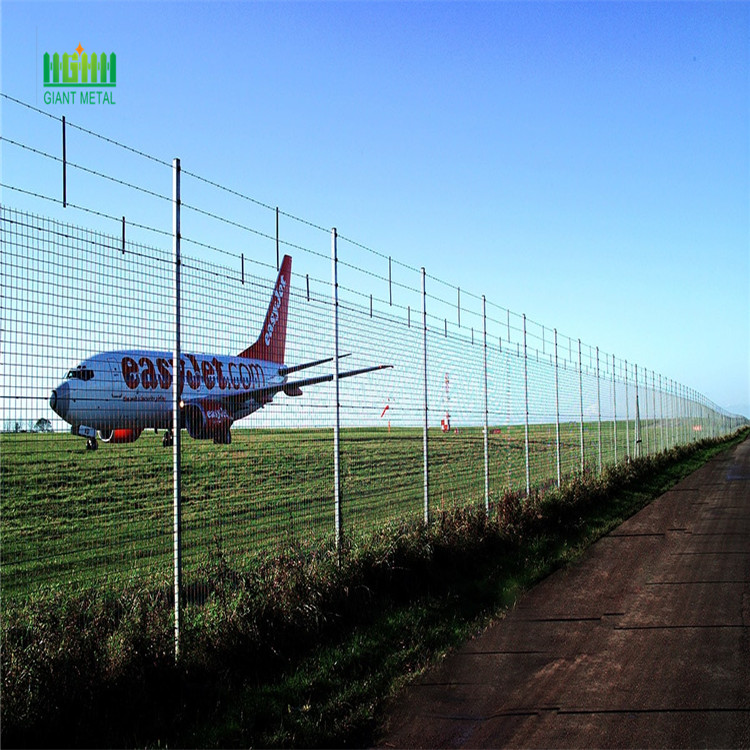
[{"x": 72, "y": 518}]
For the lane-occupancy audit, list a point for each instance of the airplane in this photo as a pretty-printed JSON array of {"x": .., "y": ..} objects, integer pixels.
[{"x": 118, "y": 394}]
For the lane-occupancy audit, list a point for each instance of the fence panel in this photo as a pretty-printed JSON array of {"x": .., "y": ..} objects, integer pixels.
[
  {"x": 381, "y": 443},
  {"x": 73, "y": 517},
  {"x": 81, "y": 305},
  {"x": 84, "y": 306}
]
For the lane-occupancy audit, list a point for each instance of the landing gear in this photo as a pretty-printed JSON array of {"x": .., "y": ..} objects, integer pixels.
[
  {"x": 168, "y": 440},
  {"x": 91, "y": 444},
  {"x": 223, "y": 438}
]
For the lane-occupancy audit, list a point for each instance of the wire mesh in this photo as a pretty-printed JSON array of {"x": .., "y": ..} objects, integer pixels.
[
  {"x": 72, "y": 517},
  {"x": 88, "y": 314}
]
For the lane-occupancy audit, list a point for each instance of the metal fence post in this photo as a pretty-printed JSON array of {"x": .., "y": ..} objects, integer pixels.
[
  {"x": 698, "y": 416},
  {"x": 337, "y": 421},
  {"x": 580, "y": 394},
  {"x": 638, "y": 441},
  {"x": 653, "y": 398},
  {"x": 684, "y": 406},
  {"x": 645, "y": 409},
  {"x": 526, "y": 407},
  {"x": 176, "y": 397},
  {"x": 486, "y": 413},
  {"x": 685, "y": 415},
  {"x": 669, "y": 413},
  {"x": 706, "y": 420},
  {"x": 661, "y": 416},
  {"x": 599, "y": 408},
  {"x": 425, "y": 458},
  {"x": 669, "y": 426},
  {"x": 557, "y": 417},
  {"x": 614, "y": 406},
  {"x": 649, "y": 429},
  {"x": 694, "y": 414},
  {"x": 627, "y": 415},
  {"x": 681, "y": 409},
  {"x": 671, "y": 410}
]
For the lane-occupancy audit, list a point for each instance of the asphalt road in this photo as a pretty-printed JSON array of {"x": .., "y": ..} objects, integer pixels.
[{"x": 645, "y": 642}]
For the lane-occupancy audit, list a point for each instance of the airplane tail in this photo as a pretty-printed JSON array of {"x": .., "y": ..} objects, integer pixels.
[{"x": 272, "y": 340}]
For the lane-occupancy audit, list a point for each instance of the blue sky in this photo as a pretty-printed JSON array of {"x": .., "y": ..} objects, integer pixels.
[{"x": 586, "y": 164}]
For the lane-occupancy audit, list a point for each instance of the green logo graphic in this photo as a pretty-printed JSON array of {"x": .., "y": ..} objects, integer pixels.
[{"x": 80, "y": 70}]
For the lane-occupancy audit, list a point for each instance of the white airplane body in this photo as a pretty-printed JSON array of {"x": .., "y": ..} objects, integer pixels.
[{"x": 120, "y": 393}]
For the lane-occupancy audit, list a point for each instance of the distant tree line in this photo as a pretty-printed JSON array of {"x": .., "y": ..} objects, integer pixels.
[{"x": 29, "y": 425}]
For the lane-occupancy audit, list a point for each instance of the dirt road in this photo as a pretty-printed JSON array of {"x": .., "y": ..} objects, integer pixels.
[{"x": 643, "y": 643}]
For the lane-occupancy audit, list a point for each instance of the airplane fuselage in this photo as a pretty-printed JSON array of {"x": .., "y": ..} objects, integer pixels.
[{"x": 134, "y": 387}]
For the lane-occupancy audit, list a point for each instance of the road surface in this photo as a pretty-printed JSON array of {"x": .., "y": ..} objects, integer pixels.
[{"x": 642, "y": 643}]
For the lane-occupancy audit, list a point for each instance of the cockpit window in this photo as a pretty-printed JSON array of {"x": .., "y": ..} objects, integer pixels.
[{"x": 80, "y": 373}]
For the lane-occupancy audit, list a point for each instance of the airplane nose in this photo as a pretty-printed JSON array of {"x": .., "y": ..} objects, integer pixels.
[{"x": 59, "y": 400}]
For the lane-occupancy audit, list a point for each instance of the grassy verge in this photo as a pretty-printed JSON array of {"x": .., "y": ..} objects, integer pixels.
[
  {"x": 107, "y": 515},
  {"x": 303, "y": 650}
]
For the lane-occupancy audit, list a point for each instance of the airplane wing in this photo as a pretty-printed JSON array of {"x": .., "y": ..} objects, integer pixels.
[
  {"x": 241, "y": 404},
  {"x": 296, "y": 368},
  {"x": 293, "y": 388}
]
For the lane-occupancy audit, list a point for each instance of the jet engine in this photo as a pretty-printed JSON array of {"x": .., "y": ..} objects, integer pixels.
[
  {"x": 208, "y": 419},
  {"x": 121, "y": 435}
]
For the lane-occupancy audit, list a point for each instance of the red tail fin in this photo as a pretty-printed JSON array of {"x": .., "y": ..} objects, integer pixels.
[{"x": 272, "y": 340}]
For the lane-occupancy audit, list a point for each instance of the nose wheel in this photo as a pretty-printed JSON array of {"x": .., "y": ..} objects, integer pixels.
[{"x": 91, "y": 444}]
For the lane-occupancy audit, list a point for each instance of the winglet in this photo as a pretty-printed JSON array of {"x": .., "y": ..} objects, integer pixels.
[{"x": 272, "y": 340}]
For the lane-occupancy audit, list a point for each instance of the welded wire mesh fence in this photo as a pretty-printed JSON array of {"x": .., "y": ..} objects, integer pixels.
[{"x": 88, "y": 337}]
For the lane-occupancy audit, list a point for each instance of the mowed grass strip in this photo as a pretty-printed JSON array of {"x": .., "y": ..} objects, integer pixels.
[{"x": 74, "y": 518}]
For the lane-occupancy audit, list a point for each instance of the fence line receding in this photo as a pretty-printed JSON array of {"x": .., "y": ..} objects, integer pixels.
[{"x": 478, "y": 399}]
